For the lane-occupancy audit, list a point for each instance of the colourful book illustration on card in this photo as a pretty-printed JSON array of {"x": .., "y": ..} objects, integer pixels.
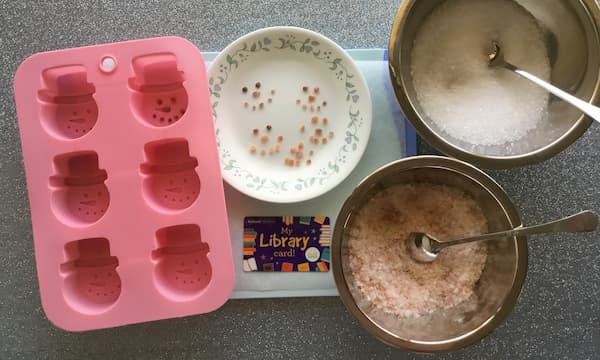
[{"x": 286, "y": 243}]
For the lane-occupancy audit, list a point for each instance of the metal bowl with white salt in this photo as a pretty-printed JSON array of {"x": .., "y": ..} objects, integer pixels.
[
  {"x": 388, "y": 295},
  {"x": 490, "y": 116}
]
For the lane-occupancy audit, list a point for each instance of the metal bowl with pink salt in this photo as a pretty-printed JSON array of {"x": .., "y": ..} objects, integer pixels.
[{"x": 440, "y": 306}]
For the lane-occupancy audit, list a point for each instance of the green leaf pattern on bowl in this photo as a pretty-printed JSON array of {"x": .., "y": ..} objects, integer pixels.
[{"x": 308, "y": 47}]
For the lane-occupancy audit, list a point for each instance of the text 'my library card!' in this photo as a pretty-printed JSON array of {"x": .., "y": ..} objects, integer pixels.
[{"x": 287, "y": 243}]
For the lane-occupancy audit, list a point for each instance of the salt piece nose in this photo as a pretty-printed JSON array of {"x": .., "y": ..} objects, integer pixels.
[
  {"x": 175, "y": 190},
  {"x": 187, "y": 271}
]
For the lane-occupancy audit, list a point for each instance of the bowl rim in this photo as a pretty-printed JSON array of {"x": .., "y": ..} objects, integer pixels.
[
  {"x": 487, "y": 183},
  {"x": 591, "y": 7}
]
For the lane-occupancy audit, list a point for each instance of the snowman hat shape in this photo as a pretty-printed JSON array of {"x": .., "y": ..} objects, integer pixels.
[
  {"x": 180, "y": 239},
  {"x": 66, "y": 82},
  {"x": 168, "y": 156},
  {"x": 156, "y": 72},
  {"x": 94, "y": 252},
  {"x": 81, "y": 170}
]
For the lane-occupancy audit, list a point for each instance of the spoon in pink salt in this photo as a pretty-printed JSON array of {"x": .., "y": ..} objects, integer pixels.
[{"x": 425, "y": 248}]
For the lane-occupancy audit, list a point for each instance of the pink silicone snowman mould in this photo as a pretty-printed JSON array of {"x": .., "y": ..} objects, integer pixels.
[{"x": 127, "y": 203}]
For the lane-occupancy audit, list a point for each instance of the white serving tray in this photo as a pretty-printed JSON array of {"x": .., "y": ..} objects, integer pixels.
[{"x": 391, "y": 138}]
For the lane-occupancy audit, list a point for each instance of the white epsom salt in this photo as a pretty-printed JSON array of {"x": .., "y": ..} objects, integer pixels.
[{"x": 455, "y": 87}]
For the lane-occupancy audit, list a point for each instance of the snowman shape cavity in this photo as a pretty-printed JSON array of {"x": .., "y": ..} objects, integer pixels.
[
  {"x": 91, "y": 279},
  {"x": 85, "y": 196},
  {"x": 159, "y": 97},
  {"x": 68, "y": 106},
  {"x": 170, "y": 177},
  {"x": 182, "y": 266}
]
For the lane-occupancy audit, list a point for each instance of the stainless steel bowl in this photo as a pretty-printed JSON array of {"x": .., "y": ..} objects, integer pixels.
[
  {"x": 499, "y": 286},
  {"x": 573, "y": 41}
]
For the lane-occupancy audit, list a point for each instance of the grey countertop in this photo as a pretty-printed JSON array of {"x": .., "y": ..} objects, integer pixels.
[{"x": 557, "y": 316}]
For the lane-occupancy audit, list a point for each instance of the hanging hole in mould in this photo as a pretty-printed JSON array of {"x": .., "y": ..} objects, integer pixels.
[
  {"x": 159, "y": 97},
  {"x": 81, "y": 197},
  {"x": 68, "y": 108},
  {"x": 108, "y": 64},
  {"x": 92, "y": 283}
]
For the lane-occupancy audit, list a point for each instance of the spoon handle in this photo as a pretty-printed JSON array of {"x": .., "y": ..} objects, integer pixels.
[
  {"x": 589, "y": 109},
  {"x": 584, "y": 221}
]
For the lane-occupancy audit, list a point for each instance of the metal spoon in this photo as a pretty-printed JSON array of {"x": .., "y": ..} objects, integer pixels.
[
  {"x": 496, "y": 58},
  {"x": 425, "y": 248}
]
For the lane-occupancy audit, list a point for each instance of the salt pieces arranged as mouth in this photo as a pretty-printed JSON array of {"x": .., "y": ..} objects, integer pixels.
[{"x": 454, "y": 85}]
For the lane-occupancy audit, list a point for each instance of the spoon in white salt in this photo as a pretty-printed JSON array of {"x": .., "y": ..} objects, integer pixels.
[
  {"x": 496, "y": 58},
  {"x": 425, "y": 248}
]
